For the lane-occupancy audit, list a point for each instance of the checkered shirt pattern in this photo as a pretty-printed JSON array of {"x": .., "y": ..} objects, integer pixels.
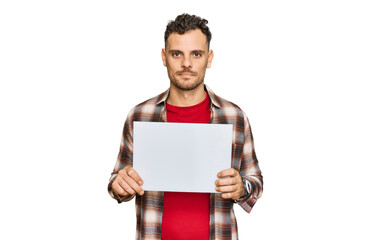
[{"x": 223, "y": 224}]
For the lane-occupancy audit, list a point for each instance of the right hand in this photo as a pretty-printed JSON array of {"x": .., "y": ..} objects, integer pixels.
[{"x": 127, "y": 182}]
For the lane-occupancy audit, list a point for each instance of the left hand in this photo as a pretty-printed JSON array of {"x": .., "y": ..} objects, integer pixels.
[{"x": 230, "y": 187}]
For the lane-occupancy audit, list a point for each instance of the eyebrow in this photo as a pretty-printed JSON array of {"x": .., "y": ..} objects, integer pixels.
[
  {"x": 198, "y": 51},
  {"x": 194, "y": 51}
]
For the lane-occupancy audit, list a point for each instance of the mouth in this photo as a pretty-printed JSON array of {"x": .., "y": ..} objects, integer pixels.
[{"x": 187, "y": 74}]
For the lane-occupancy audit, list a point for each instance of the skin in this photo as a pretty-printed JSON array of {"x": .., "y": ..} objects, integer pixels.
[
  {"x": 186, "y": 58},
  {"x": 231, "y": 185}
]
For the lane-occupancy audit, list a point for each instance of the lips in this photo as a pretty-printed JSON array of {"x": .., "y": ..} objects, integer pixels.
[{"x": 187, "y": 74}]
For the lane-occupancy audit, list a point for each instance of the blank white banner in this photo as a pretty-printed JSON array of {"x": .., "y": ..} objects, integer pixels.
[{"x": 181, "y": 157}]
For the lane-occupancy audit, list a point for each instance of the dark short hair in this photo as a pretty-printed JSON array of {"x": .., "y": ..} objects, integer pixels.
[{"x": 184, "y": 23}]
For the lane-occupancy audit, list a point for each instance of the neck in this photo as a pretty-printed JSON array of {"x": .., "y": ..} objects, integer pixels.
[{"x": 185, "y": 98}]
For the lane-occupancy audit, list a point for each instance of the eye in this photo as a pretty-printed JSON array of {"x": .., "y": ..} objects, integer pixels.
[
  {"x": 197, "y": 54},
  {"x": 176, "y": 54}
]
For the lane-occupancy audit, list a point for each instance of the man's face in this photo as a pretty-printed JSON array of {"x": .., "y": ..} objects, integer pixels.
[{"x": 186, "y": 58}]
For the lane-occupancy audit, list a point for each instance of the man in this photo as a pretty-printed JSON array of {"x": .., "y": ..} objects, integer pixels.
[{"x": 174, "y": 215}]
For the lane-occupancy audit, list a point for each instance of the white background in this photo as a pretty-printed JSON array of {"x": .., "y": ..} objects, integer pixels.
[{"x": 70, "y": 72}]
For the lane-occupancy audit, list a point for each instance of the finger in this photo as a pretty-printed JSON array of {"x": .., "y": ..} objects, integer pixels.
[
  {"x": 233, "y": 196},
  {"x": 135, "y": 182},
  {"x": 227, "y": 189},
  {"x": 230, "y": 172},
  {"x": 129, "y": 172},
  {"x": 226, "y": 181},
  {"x": 134, "y": 175},
  {"x": 227, "y": 195},
  {"x": 134, "y": 185},
  {"x": 118, "y": 189},
  {"x": 125, "y": 186},
  {"x": 131, "y": 182}
]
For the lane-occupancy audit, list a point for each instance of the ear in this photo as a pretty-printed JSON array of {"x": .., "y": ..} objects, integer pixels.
[
  {"x": 163, "y": 56},
  {"x": 210, "y": 58}
]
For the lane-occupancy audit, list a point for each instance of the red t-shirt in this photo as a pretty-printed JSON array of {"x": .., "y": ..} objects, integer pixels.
[{"x": 186, "y": 215}]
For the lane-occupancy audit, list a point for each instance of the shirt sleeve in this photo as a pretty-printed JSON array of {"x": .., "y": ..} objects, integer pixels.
[
  {"x": 124, "y": 158},
  {"x": 250, "y": 170}
]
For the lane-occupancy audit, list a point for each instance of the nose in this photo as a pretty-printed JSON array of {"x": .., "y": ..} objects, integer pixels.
[{"x": 187, "y": 63}]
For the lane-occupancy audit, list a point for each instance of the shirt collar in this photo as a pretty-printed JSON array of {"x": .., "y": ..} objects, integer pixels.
[{"x": 213, "y": 97}]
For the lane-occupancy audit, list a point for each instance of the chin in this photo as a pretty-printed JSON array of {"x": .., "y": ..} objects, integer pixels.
[{"x": 187, "y": 87}]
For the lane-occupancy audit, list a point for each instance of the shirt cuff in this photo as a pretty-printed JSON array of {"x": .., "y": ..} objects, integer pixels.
[{"x": 247, "y": 191}]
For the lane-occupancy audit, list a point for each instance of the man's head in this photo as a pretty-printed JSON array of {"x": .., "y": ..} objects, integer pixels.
[
  {"x": 186, "y": 54},
  {"x": 184, "y": 23}
]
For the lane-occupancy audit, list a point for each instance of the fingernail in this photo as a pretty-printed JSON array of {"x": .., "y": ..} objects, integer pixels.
[
  {"x": 140, "y": 183},
  {"x": 141, "y": 193},
  {"x": 219, "y": 174}
]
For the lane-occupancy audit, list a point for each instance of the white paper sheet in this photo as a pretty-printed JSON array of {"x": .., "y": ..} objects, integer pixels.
[{"x": 181, "y": 157}]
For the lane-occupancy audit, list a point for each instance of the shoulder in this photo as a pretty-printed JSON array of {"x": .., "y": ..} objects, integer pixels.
[
  {"x": 145, "y": 111},
  {"x": 226, "y": 107}
]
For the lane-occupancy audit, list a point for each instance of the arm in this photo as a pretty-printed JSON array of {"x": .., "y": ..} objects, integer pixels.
[
  {"x": 232, "y": 183},
  {"x": 125, "y": 182},
  {"x": 249, "y": 170}
]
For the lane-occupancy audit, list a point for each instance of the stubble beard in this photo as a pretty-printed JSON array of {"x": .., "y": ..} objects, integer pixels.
[
  {"x": 186, "y": 87},
  {"x": 183, "y": 84}
]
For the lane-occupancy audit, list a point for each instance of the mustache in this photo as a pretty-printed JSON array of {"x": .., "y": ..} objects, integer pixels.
[{"x": 186, "y": 71}]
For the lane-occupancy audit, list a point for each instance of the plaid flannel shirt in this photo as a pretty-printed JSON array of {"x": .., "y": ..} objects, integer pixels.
[{"x": 223, "y": 224}]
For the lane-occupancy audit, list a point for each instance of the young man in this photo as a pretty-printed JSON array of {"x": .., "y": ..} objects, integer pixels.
[{"x": 174, "y": 215}]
